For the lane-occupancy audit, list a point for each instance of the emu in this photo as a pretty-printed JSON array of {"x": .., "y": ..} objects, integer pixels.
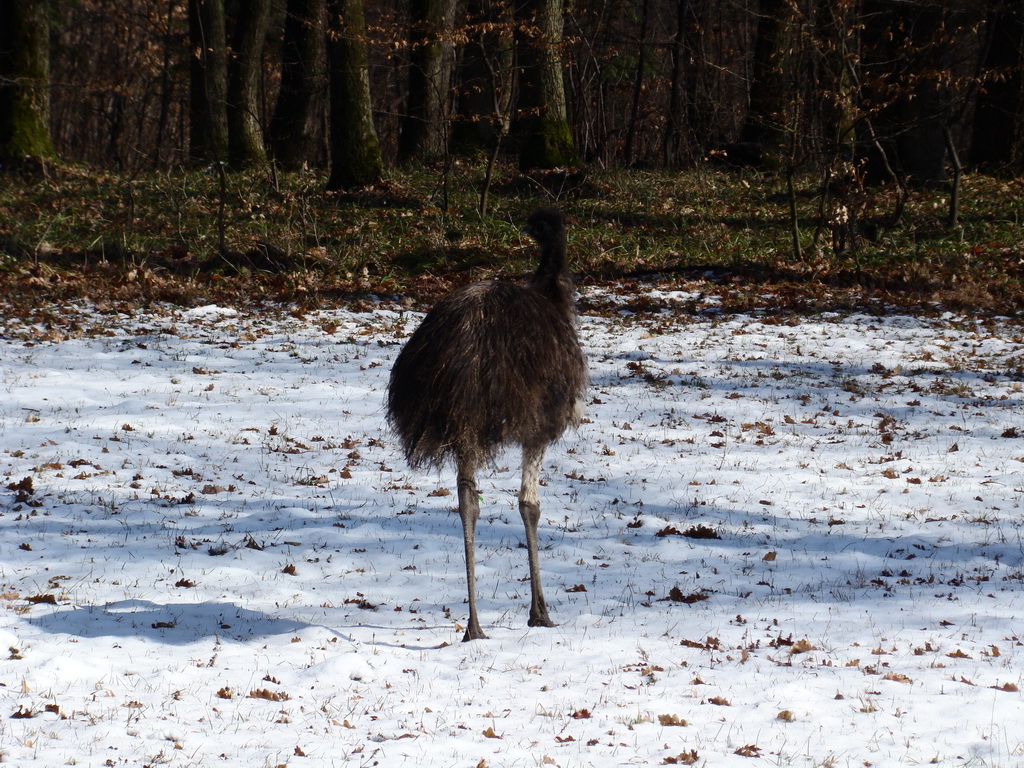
[{"x": 494, "y": 364}]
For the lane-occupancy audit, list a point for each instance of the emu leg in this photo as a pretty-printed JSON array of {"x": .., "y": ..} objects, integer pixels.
[
  {"x": 529, "y": 508},
  {"x": 469, "y": 511}
]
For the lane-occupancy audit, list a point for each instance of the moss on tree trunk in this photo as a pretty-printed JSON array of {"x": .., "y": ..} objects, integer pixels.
[
  {"x": 245, "y": 127},
  {"x": 208, "y": 81},
  {"x": 25, "y": 141},
  {"x": 424, "y": 134},
  {"x": 355, "y": 149},
  {"x": 296, "y": 127},
  {"x": 543, "y": 123}
]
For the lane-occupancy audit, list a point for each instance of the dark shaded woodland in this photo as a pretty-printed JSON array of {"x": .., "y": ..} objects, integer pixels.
[{"x": 889, "y": 89}]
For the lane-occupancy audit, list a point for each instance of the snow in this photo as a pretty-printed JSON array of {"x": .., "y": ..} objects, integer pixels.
[{"x": 212, "y": 552}]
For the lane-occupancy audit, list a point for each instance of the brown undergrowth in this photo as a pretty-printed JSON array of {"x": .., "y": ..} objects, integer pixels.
[{"x": 266, "y": 239}]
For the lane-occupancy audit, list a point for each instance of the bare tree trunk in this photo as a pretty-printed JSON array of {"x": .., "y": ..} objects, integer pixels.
[
  {"x": 499, "y": 72},
  {"x": 676, "y": 124},
  {"x": 208, "y": 114},
  {"x": 355, "y": 150},
  {"x": 838, "y": 39},
  {"x": 926, "y": 108},
  {"x": 245, "y": 126},
  {"x": 484, "y": 75},
  {"x": 296, "y": 126},
  {"x": 794, "y": 214},
  {"x": 999, "y": 121},
  {"x": 424, "y": 133},
  {"x": 25, "y": 141},
  {"x": 165, "y": 86},
  {"x": 769, "y": 95},
  {"x": 545, "y": 137},
  {"x": 638, "y": 85},
  {"x": 953, "y": 217},
  {"x": 923, "y": 60}
]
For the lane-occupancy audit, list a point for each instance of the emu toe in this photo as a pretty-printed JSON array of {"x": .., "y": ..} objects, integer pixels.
[
  {"x": 540, "y": 620},
  {"x": 473, "y": 633}
]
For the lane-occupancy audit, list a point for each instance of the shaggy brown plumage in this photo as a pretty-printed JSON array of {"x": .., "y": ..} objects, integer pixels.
[{"x": 494, "y": 364}]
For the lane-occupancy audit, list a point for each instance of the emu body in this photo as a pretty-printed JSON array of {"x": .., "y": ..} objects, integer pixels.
[{"x": 494, "y": 364}]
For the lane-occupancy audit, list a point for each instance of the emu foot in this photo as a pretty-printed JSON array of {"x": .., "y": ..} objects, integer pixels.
[
  {"x": 540, "y": 619},
  {"x": 473, "y": 632}
]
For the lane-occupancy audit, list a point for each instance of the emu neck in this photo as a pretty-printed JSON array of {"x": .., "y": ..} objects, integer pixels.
[{"x": 552, "y": 275}]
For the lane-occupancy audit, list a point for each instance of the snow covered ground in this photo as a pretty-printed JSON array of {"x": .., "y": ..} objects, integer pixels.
[{"x": 775, "y": 541}]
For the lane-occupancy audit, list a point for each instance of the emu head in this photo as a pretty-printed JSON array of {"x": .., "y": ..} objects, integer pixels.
[{"x": 544, "y": 225}]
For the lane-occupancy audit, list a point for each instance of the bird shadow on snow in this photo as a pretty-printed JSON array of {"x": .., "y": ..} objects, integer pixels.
[
  {"x": 186, "y": 623},
  {"x": 171, "y": 623}
]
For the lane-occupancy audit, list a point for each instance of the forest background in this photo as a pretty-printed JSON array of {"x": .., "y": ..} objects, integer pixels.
[{"x": 867, "y": 149}]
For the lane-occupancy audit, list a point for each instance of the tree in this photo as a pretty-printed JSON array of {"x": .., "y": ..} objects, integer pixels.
[
  {"x": 837, "y": 40},
  {"x": 25, "y": 141},
  {"x": 675, "y": 119},
  {"x": 424, "y": 132},
  {"x": 921, "y": 63},
  {"x": 769, "y": 95},
  {"x": 625, "y": 81},
  {"x": 208, "y": 81},
  {"x": 245, "y": 128},
  {"x": 682, "y": 118},
  {"x": 296, "y": 128},
  {"x": 638, "y": 84},
  {"x": 543, "y": 125},
  {"x": 355, "y": 149},
  {"x": 998, "y": 139},
  {"x": 924, "y": 110},
  {"x": 484, "y": 76}
]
